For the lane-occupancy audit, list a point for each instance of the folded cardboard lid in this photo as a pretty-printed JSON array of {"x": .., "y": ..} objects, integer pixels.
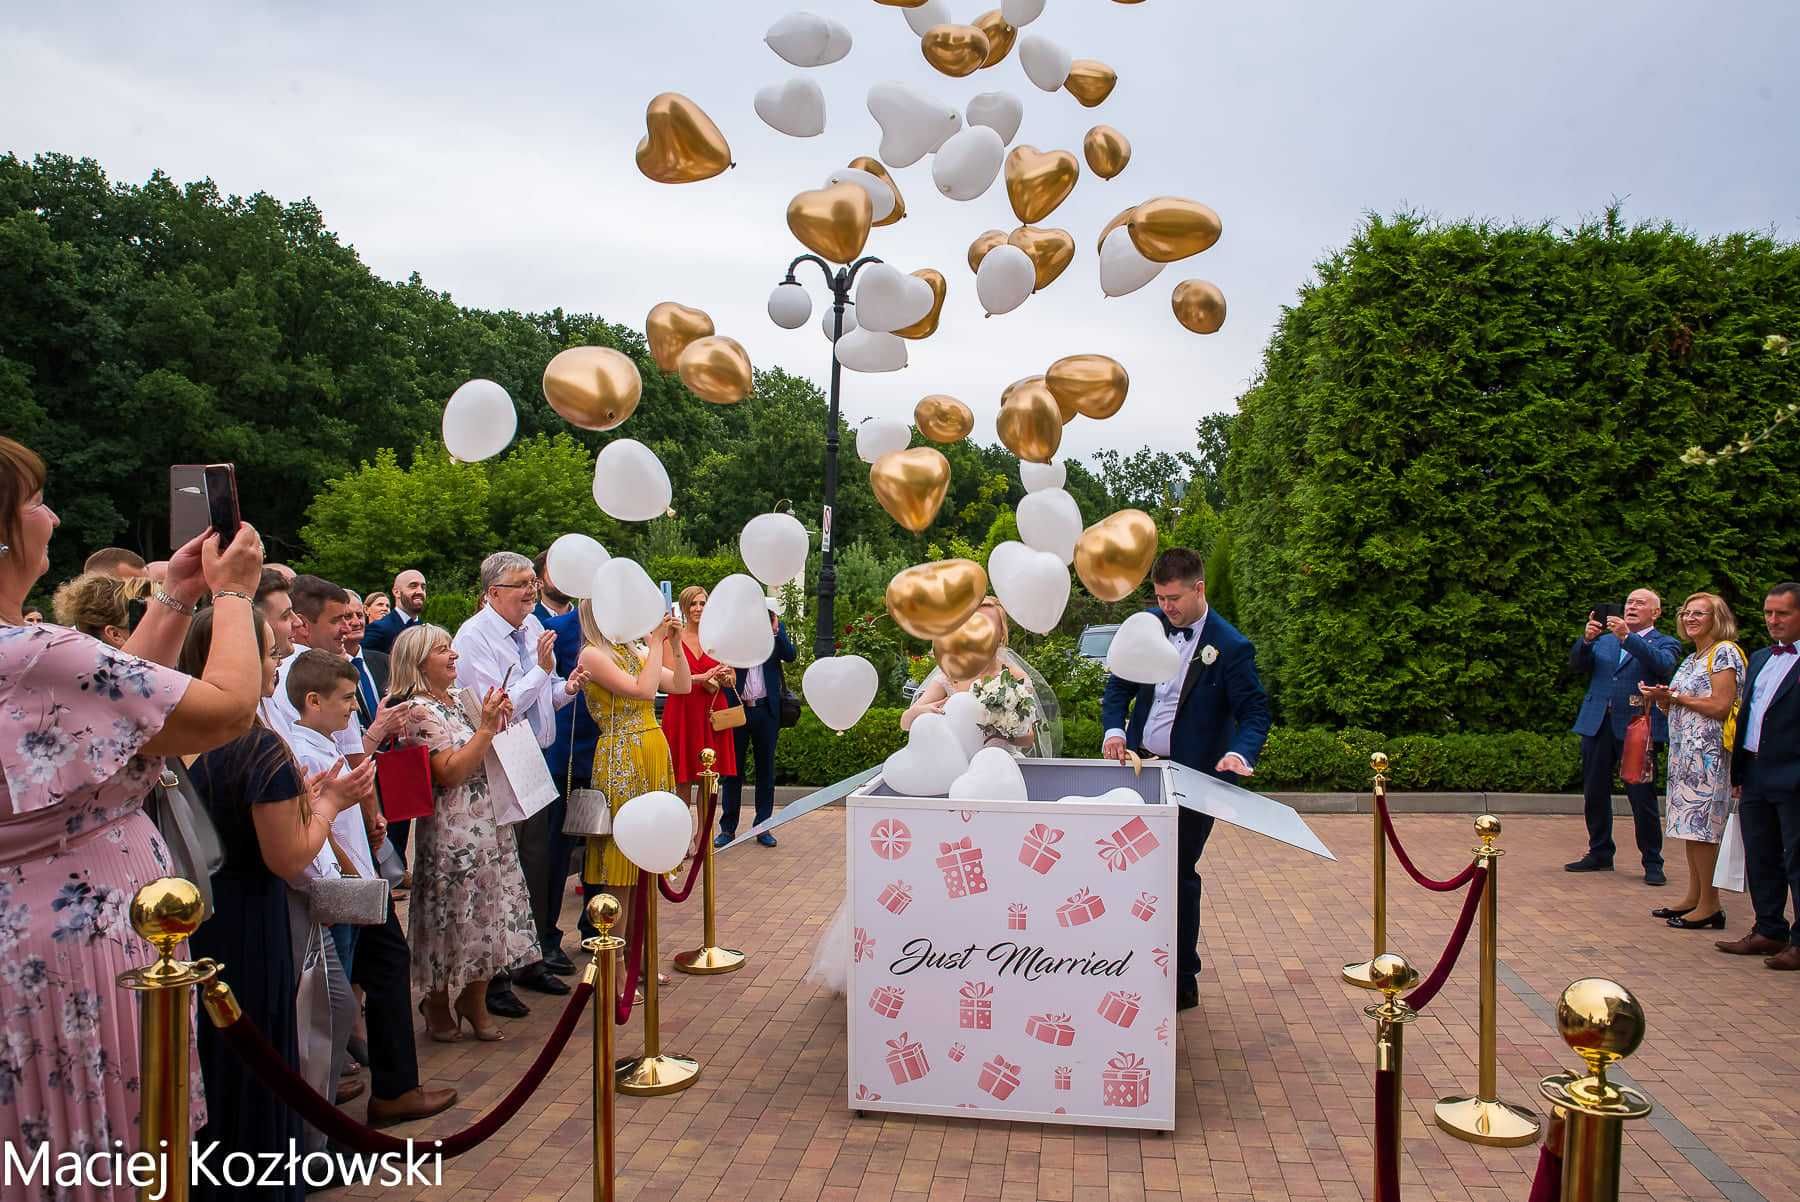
[{"x": 1240, "y": 807}]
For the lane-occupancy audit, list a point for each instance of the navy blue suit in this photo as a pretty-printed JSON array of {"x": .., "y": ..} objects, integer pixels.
[
  {"x": 1649, "y": 655},
  {"x": 1769, "y": 809},
  {"x": 761, "y": 730},
  {"x": 1223, "y": 708},
  {"x": 570, "y": 758},
  {"x": 381, "y": 633}
]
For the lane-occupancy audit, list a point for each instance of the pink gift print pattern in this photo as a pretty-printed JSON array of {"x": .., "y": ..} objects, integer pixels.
[
  {"x": 1053, "y": 1029},
  {"x": 887, "y": 1001},
  {"x": 960, "y": 863},
  {"x": 906, "y": 1060},
  {"x": 1064, "y": 1077},
  {"x": 1016, "y": 913},
  {"x": 890, "y": 839},
  {"x": 956, "y": 1051},
  {"x": 1081, "y": 908},
  {"x": 1127, "y": 845},
  {"x": 1120, "y": 1008},
  {"x": 895, "y": 897},
  {"x": 1144, "y": 908},
  {"x": 862, "y": 946},
  {"x": 999, "y": 1078},
  {"x": 1126, "y": 1081},
  {"x": 1038, "y": 851},
  {"x": 975, "y": 1006}
]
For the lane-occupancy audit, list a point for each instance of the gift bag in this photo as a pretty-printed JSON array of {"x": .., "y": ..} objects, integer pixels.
[
  {"x": 519, "y": 782},
  {"x": 403, "y": 782},
  {"x": 1729, "y": 872},
  {"x": 1637, "y": 764}
]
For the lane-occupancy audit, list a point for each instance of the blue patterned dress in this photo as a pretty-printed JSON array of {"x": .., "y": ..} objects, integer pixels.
[{"x": 1699, "y": 764}]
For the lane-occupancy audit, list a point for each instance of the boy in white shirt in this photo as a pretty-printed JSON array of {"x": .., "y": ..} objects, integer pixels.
[{"x": 322, "y": 689}]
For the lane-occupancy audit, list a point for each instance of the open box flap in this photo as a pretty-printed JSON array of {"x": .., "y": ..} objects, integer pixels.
[{"x": 1240, "y": 807}]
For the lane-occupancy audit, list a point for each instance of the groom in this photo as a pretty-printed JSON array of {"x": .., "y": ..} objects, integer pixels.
[{"x": 1212, "y": 715}]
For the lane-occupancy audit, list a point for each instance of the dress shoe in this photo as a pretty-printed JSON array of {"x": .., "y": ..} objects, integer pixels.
[
  {"x": 1671, "y": 911},
  {"x": 1588, "y": 864},
  {"x": 1187, "y": 996},
  {"x": 766, "y": 839},
  {"x": 1788, "y": 961},
  {"x": 1654, "y": 876},
  {"x": 506, "y": 1004},
  {"x": 416, "y": 1103},
  {"x": 724, "y": 838},
  {"x": 559, "y": 963},
  {"x": 535, "y": 978},
  {"x": 349, "y": 1089},
  {"x": 1752, "y": 944},
  {"x": 1714, "y": 921}
]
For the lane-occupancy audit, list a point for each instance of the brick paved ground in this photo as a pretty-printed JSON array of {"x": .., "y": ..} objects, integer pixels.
[{"x": 1274, "y": 1066}]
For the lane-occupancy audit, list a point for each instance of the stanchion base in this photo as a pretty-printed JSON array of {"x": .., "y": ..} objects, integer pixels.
[
  {"x": 1491, "y": 1124},
  {"x": 1360, "y": 975},
  {"x": 651, "y": 1076},
  {"x": 704, "y": 961}
]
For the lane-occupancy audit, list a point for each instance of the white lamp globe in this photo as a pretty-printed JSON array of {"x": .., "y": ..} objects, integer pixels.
[{"x": 789, "y": 306}]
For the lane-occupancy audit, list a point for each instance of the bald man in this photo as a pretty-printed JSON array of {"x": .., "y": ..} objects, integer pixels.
[{"x": 409, "y": 608}]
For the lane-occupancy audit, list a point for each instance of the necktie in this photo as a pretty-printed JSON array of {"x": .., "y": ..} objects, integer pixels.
[
  {"x": 522, "y": 640},
  {"x": 365, "y": 689},
  {"x": 1782, "y": 649}
]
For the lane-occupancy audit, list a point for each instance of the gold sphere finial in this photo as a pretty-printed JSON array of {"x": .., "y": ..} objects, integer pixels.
[
  {"x": 1390, "y": 973},
  {"x": 1487, "y": 827},
  {"x": 707, "y": 758},
  {"x": 603, "y": 911},
  {"x": 1601, "y": 1021},
  {"x": 165, "y": 912},
  {"x": 1379, "y": 761}
]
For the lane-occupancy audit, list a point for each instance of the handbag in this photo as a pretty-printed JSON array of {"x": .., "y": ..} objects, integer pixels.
[
  {"x": 1637, "y": 763},
  {"x": 519, "y": 782},
  {"x": 789, "y": 712},
  {"x": 403, "y": 781},
  {"x": 357, "y": 900},
  {"x": 195, "y": 849},
  {"x": 1728, "y": 873},
  {"x": 728, "y": 717},
  {"x": 312, "y": 1008},
  {"x": 589, "y": 813}
]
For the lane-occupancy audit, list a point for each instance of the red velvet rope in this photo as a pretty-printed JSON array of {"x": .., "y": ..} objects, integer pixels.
[
  {"x": 1421, "y": 997},
  {"x": 1546, "y": 1185},
  {"x": 706, "y": 826},
  {"x": 634, "y": 951},
  {"x": 1387, "y": 825},
  {"x": 1387, "y": 1138},
  {"x": 254, "y": 1049}
]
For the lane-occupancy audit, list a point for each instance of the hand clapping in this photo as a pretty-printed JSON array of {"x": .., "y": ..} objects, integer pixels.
[{"x": 496, "y": 711}]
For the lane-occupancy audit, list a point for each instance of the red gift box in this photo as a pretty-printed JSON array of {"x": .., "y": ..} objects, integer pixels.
[
  {"x": 863, "y": 946},
  {"x": 1144, "y": 907},
  {"x": 1162, "y": 1031},
  {"x": 1015, "y": 916},
  {"x": 1120, "y": 1008},
  {"x": 895, "y": 897},
  {"x": 975, "y": 1009},
  {"x": 1081, "y": 908},
  {"x": 1161, "y": 956},
  {"x": 961, "y": 866},
  {"x": 1064, "y": 1077},
  {"x": 957, "y": 1050},
  {"x": 1036, "y": 853},
  {"x": 1053, "y": 1029},
  {"x": 906, "y": 1060},
  {"x": 1125, "y": 1081},
  {"x": 1127, "y": 845},
  {"x": 887, "y": 1000},
  {"x": 890, "y": 839},
  {"x": 999, "y": 1078}
]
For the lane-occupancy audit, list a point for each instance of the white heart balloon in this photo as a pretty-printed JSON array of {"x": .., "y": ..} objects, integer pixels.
[
  {"x": 1021, "y": 12},
  {"x": 928, "y": 14},
  {"x": 774, "y": 547},
  {"x": 992, "y": 775},
  {"x": 888, "y": 299},
  {"x": 830, "y": 316},
  {"x": 1119, "y": 796},
  {"x": 800, "y": 38},
  {"x": 629, "y": 481},
  {"x": 626, "y": 603},
  {"x": 653, "y": 830},
  {"x": 795, "y": 108},
  {"x": 1046, "y": 63},
  {"x": 881, "y": 196},
  {"x": 931, "y": 759},
  {"x": 1005, "y": 279},
  {"x": 912, "y": 124},
  {"x": 1049, "y": 520},
  {"x": 967, "y": 164},
  {"x": 479, "y": 421},
  {"x": 999, "y": 111},
  {"x": 881, "y": 436},
  {"x": 838, "y": 45},
  {"x": 1038, "y": 476},
  {"x": 840, "y": 689},
  {"x": 1141, "y": 652},
  {"x": 1123, "y": 268},
  {"x": 572, "y": 561},
  {"x": 790, "y": 306},
  {"x": 1032, "y": 585},
  {"x": 963, "y": 713},
  {"x": 870, "y": 350},
  {"x": 734, "y": 627}
]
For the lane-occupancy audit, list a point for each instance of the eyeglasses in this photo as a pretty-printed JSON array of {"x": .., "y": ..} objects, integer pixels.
[{"x": 528, "y": 585}]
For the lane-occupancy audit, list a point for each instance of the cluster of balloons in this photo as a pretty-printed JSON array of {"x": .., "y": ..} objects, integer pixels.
[{"x": 1034, "y": 410}]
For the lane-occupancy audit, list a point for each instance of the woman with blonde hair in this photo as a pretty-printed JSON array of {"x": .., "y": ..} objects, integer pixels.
[
  {"x": 687, "y": 717},
  {"x": 1702, "y": 702},
  {"x": 103, "y": 607}
]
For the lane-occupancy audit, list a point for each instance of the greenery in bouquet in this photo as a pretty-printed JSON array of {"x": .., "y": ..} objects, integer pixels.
[{"x": 1008, "y": 710}]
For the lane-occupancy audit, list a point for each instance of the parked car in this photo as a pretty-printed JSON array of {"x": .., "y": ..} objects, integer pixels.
[{"x": 1095, "y": 640}]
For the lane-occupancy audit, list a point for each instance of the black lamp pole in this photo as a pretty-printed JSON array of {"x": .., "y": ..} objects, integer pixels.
[{"x": 840, "y": 282}]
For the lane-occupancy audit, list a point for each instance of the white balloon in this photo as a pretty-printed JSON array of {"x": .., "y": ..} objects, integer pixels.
[
  {"x": 1123, "y": 795},
  {"x": 993, "y": 775},
  {"x": 805, "y": 39},
  {"x": 795, "y": 108},
  {"x": 790, "y": 306},
  {"x": 1141, "y": 652},
  {"x": 964, "y": 713},
  {"x": 734, "y": 627},
  {"x": 968, "y": 163},
  {"x": 912, "y": 125},
  {"x": 774, "y": 547},
  {"x": 881, "y": 436},
  {"x": 1049, "y": 520},
  {"x": 887, "y": 299},
  {"x": 629, "y": 481},
  {"x": 1032, "y": 585},
  {"x": 1123, "y": 268},
  {"x": 931, "y": 759},
  {"x": 572, "y": 561},
  {"x": 932, "y": 12},
  {"x": 838, "y": 45},
  {"x": 1000, "y": 112},
  {"x": 626, "y": 603},
  {"x": 881, "y": 196},
  {"x": 1005, "y": 279},
  {"x": 479, "y": 421},
  {"x": 1038, "y": 476},
  {"x": 840, "y": 689},
  {"x": 1046, "y": 63},
  {"x": 653, "y": 830},
  {"x": 849, "y": 321},
  {"x": 1021, "y": 12},
  {"x": 869, "y": 350}
]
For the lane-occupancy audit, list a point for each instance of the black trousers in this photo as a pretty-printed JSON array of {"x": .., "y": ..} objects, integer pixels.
[
  {"x": 383, "y": 968},
  {"x": 397, "y": 834},
  {"x": 1770, "y": 820},
  {"x": 544, "y": 858},
  {"x": 1195, "y": 828},
  {"x": 1599, "y": 765},
  {"x": 761, "y": 729}
]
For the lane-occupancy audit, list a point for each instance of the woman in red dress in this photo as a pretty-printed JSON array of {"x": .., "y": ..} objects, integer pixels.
[{"x": 687, "y": 722}]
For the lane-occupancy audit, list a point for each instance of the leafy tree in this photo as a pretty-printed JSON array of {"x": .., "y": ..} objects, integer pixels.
[{"x": 1212, "y": 438}]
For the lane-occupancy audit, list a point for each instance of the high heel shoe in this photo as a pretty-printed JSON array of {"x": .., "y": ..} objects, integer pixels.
[
  {"x": 489, "y": 1034},
  {"x": 1671, "y": 911},
  {"x": 1715, "y": 921},
  {"x": 450, "y": 1034}
]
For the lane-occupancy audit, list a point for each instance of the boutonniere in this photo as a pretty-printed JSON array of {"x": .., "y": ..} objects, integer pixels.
[{"x": 1208, "y": 654}]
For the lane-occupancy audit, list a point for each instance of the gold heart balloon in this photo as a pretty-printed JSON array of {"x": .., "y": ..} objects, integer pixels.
[
  {"x": 1170, "y": 228},
  {"x": 933, "y": 599},
  {"x": 593, "y": 387},
  {"x": 876, "y": 168},
  {"x": 911, "y": 485},
  {"x": 1036, "y": 182},
  {"x": 1113, "y": 556},
  {"x": 1090, "y": 81},
  {"x": 670, "y": 327},
  {"x": 1094, "y": 385},
  {"x": 1114, "y": 224},
  {"x": 927, "y": 325},
  {"x": 1000, "y": 36},
  {"x": 832, "y": 222},
  {"x": 956, "y": 50},
  {"x": 716, "y": 369},
  {"x": 681, "y": 145},
  {"x": 979, "y": 248},
  {"x": 1051, "y": 251},
  {"x": 1031, "y": 424},
  {"x": 1107, "y": 151},
  {"x": 966, "y": 652},
  {"x": 944, "y": 419},
  {"x": 1199, "y": 306},
  {"x": 1036, "y": 385}
]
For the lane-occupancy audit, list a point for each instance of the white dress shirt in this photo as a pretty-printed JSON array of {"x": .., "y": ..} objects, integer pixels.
[
  {"x": 317, "y": 753},
  {"x": 280, "y": 716},
  {"x": 487, "y": 645},
  {"x": 1775, "y": 669},
  {"x": 1167, "y": 698}
]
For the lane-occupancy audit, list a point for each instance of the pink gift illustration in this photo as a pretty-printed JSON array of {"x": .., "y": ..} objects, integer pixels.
[
  {"x": 1053, "y": 1029},
  {"x": 890, "y": 839},
  {"x": 906, "y": 1060},
  {"x": 864, "y": 1095},
  {"x": 1120, "y": 1008},
  {"x": 1144, "y": 907},
  {"x": 1015, "y": 916},
  {"x": 999, "y": 1078},
  {"x": 1064, "y": 1077},
  {"x": 975, "y": 1008},
  {"x": 1038, "y": 852},
  {"x": 1162, "y": 1031},
  {"x": 1160, "y": 956},
  {"x": 1125, "y": 1081},
  {"x": 961, "y": 865},
  {"x": 957, "y": 1050},
  {"x": 1081, "y": 908},
  {"x": 862, "y": 946},
  {"x": 887, "y": 1000},
  {"x": 895, "y": 897},
  {"x": 1127, "y": 845}
]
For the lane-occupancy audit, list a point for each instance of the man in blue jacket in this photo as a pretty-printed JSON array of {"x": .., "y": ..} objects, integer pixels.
[
  {"x": 570, "y": 758},
  {"x": 1212, "y": 715},
  {"x": 1615, "y": 656},
  {"x": 759, "y": 688}
]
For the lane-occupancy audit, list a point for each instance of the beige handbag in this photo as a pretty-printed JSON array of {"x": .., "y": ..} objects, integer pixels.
[
  {"x": 728, "y": 718},
  {"x": 589, "y": 813}
]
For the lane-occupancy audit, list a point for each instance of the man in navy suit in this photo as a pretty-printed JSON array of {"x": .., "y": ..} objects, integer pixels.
[
  {"x": 759, "y": 688},
  {"x": 1212, "y": 715},
  {"x": 1616, "y": 656},
  {"x": 409, "y": 608},
  {"x": 1765, "y": 767}
]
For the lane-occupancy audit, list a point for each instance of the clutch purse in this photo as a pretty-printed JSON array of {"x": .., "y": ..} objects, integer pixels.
[
  {"x": 727, "y": 717},
  {"x": 359, "y": 901}
]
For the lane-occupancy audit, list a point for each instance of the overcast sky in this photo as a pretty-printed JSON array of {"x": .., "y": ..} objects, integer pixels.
[{"x": 489, "y": 147}]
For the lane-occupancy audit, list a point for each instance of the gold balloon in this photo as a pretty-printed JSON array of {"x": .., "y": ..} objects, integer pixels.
[
  {"x": 670, "y": 327},
  {"x": 956, "y": 50},
  {"x": 966, "y": 652},
  {"x": 1169, "y": 228},
  {"x": 911, "y": 485},
  {"x": 1094, "y": 385},
  {"x": 716, "y": 369},
  {"x": 1051, "y": 251},
  {"x": 1090, "y": 81},
  {"x": 979, "y": 248},
  {"x": 681, "y": 144},
  {"x": 1113, "y": 556},
  {"x": 833, "y": 221},
  {"x": 1114, "y": 224},
  {"x": 1036, "y": 385},
  {"x": 933, "y": 599},
  {"x": 1000, "y": 36},
  {"x": 944, "y": 419},
  {"x": 1199, "y": 305},
  {"x": 593, "y": 387},
  {"x": 1030, "y": 423},
  {"x": 927, "y": 325},
  {"x": 876, "y": 168},
  {"x": 1036, "y": 182},
  {"x": 1107, "y": 151}
]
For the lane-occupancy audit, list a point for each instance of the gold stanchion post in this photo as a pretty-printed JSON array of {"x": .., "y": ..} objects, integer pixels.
[
  {"x": 1603, "y": 1023},
  {"x": 709, "y": 957},
  {"x": 164, "y": 913},
  {"x": 1392, "y": 975},
  {"x": 603, "y": 974},
  {"x": 1362, "y": 974},
  {"x": 1484, "y": 1119},
  {"x": 653, "y": 1073}
]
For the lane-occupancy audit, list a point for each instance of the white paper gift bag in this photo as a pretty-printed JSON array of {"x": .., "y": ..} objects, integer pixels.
[
  {"x": 519, "y": 782},
  {"x": 1729, "y": 872}
]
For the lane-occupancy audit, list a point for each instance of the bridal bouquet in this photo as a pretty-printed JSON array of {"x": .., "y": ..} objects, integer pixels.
[{"x": 1008, "y": 710}]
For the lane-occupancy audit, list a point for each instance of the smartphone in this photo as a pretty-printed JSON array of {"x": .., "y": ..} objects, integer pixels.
[
  {"x": 222, "y": 501},
  {"x": 668, "y": 592},
  {"x": 1609, "y": 610},
  {"x": 188, "y": 512}
]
